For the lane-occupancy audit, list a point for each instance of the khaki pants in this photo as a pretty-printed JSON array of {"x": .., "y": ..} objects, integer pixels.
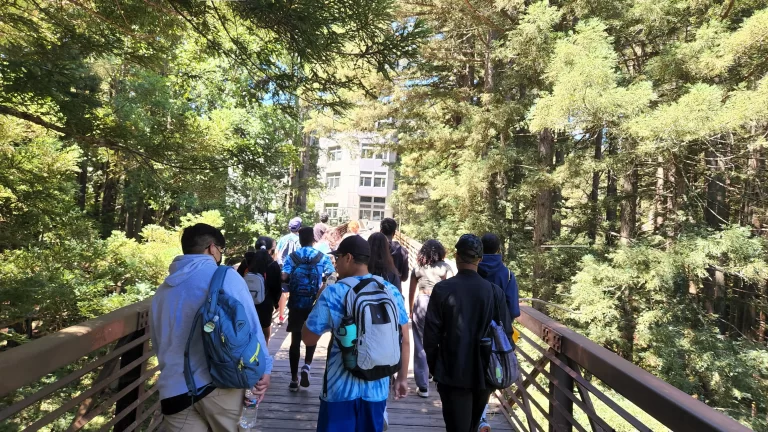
[{"x": 217, "y": 412}]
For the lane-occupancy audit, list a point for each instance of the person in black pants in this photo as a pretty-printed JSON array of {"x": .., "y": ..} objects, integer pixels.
[
  {"x": 297, "y": 316},
  {"x": 459, "y": 312},
  {"x": 263, "y": 262}
]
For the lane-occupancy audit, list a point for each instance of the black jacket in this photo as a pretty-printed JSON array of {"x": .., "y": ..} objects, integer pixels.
[
  {"x": 458, "y": 315},
  {"x": 400, "y": 258}
]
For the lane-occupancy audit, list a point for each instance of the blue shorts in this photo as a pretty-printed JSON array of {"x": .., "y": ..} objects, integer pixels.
[{"x": 351, "y": 416}]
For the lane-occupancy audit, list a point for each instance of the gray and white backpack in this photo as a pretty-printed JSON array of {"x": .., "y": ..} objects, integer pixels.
[{"x": 375, "y": 351}]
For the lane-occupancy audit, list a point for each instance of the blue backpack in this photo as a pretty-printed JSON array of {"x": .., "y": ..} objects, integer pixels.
[
  {"x": 235, "y": 356},
  {"x": 304, "y": 282}
]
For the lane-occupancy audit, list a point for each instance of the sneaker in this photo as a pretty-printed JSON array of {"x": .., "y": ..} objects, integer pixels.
[
  {"x": 305, "y": 376},
  {"x": 423, "y": 392},
  {"x": 484, "y": 426},
  {"x": 293, "y": 386},
  {"x": 431, "y": 378}
]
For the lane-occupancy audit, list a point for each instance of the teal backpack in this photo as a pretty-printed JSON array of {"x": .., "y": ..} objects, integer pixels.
[{"x": 235, "y": 356}]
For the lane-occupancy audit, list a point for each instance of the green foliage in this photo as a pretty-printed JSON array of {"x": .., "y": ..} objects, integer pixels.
[{"x": 618, "y": 149}]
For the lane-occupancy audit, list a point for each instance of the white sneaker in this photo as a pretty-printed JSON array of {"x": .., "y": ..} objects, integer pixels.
[
  {"x": 484, "y": 426},
  {"x": 305, "y": 376},
  {"x": 423, "y": 392}
]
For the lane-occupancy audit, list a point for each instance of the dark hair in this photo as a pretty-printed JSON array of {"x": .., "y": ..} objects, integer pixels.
[
  {"x": 246, "y": 263},
  {"x": 491, "y": 244},
  {"x": 197, "y": 238},
  {"x": 432, "y": 251},
  {"x": 323, "y": 217},
  {"x": 306, "y": 236},
  {"x": 388, "y": 227},
  {"x": 255, "y": 262},
  {"x": 380, "y": 263},
  {"x": 267, "y": 242},
  {"x": 361, "y": 259}
]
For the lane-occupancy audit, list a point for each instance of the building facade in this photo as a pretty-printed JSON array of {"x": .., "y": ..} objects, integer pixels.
[{"x": 356, "y": 171}]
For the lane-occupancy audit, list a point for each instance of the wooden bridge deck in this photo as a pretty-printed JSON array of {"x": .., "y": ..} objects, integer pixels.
[{"x": 284, "y": 410}]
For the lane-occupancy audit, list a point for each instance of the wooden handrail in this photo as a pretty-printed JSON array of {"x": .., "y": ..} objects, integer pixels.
[
  {"x": 49, "y": 353},
  {"x": 666, "y": 403}
]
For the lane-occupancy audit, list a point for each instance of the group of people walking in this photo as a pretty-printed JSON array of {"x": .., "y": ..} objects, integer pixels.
[{"x": 354, "y": 292}]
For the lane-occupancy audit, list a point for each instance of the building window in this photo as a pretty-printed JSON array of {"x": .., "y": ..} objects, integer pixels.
[
  {"x": 332, "y": 210},
  {"x": 332, "y": 180},
  {"x": 372, "y": 208},
  {"x": 334, "y": 153},
  {"x": 368, "y": 151},
  {"x": 380, "y": 179},
  {"x": 366, "y": 178}
]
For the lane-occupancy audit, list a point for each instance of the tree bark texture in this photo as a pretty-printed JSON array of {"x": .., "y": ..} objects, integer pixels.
[
  {"x": 628, "y": 206},
  {"x": 542, "y": 229}
]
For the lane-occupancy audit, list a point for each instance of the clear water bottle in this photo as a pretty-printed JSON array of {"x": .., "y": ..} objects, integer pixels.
[{"x": 250, "y": 411}]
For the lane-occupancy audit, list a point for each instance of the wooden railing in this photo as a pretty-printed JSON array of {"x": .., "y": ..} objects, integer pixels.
[
  {"x": 97, "y": 372},
  {"x": 563, "y": 370}
]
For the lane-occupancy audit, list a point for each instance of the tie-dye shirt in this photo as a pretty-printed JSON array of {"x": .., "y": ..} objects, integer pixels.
[
  {"x": 324, "y": 266},
  {"x": 326, "y": 316}
]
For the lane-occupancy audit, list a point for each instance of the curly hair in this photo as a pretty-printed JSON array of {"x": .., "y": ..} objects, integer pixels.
[{"x": 432, "y": 251}]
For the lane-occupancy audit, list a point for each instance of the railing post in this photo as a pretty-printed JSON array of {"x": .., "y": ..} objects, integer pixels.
[
  {"x": 131, "y": 376},
  {"x": 557, "y": 393}
]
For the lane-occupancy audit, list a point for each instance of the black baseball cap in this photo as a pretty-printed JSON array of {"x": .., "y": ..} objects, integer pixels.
[
  {"x": 469, "y": 246},
  {"x": 353, "y": 245}
]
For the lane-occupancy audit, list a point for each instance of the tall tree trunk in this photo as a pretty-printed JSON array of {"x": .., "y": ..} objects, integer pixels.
[
  {"x": 542, "y": 229},
  {"x": 594, "y": 196},
  {"x": 658, "y": 199},
  {"x": 628, "y": 206},
  {"x": 627, "y": 231},
  {"x": 302, "y": 175},
  {"x": 82, "y": 180},
  {"x": 109, "y": 201},
  {"x": 716, "y": 214},
  {"x": 611, "y": 214},
  {"x": 489, "y": 79},
  {"x": 557, "y": 195},
  {"x": 716, "y": 211},
  {"x": 677, "y": 187}
]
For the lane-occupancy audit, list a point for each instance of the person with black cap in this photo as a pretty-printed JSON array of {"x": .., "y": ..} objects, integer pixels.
[
  {"x": 459, "y": 312},
  {"x": 349, "y": 403}
]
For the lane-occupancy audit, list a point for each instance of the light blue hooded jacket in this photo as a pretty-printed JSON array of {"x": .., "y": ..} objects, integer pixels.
[{"x": 174, "y": 307}]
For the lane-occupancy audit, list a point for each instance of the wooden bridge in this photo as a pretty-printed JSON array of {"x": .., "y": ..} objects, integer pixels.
[{"x": 100, "y": 375}]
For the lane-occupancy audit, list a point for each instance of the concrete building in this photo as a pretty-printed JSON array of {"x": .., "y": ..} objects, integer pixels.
[{"x": 359, "y": 181}]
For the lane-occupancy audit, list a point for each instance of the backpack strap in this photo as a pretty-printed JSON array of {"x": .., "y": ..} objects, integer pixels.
[
  {"x": 295, "y": 259},
  {"x": 217, "y": 282},
  {"x": 188, "y": 377}
]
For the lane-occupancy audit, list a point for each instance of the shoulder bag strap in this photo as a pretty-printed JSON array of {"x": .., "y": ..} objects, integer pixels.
[
  {"x": 188, "y": 376},
  {"x": 217, "y": 282}
]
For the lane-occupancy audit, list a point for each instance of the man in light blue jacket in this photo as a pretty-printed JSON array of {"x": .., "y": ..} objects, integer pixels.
[{"x": 173, "y": 310}]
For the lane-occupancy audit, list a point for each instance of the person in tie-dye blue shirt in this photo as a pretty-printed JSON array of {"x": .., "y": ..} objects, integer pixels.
[{"x": 349, "y": 403}]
